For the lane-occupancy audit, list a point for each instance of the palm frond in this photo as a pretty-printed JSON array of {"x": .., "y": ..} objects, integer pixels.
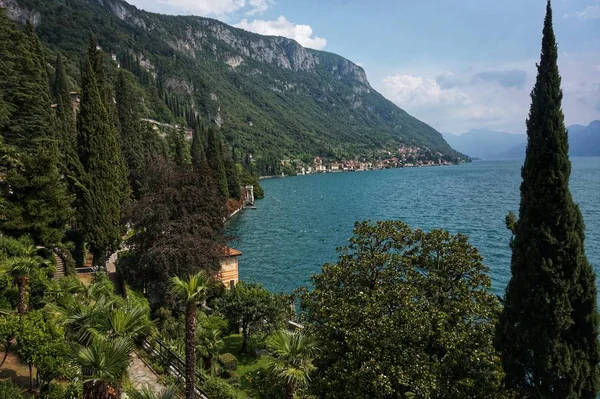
[{"x": 171, "y": 392}]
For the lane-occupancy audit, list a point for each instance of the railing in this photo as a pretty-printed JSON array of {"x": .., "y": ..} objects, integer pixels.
[{"x": 172, "y": 363}]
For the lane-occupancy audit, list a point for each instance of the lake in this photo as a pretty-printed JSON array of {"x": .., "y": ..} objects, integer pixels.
[{"x": 303, "y": 219}]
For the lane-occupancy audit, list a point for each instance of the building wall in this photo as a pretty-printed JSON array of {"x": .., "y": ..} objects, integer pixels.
[{"x": 229, "y": 271}]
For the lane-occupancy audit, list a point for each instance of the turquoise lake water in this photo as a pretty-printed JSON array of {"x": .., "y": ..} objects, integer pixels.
[{"x": 302, "y": 219}]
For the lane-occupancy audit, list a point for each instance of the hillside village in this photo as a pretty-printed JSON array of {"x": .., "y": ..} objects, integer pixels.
[{"x": 406, "y": 157}]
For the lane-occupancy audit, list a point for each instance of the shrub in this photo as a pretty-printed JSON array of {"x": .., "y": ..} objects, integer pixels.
[
  {"x": 8, "y": 390},
  {"x": 52, "y": 391},
  {"x": 266, "y": 385},
  {"x": 228, "y": 361},
  {"x": 74, "y": 390},
  {"x": 216, "y": 388}
]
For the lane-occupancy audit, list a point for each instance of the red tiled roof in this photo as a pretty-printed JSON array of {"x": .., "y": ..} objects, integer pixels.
[{"x": 231, "y": 252}]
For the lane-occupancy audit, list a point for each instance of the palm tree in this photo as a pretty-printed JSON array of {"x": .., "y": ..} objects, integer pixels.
[
  {"x": 104, "y": 364},
  {"x": 19, "y": 268},
  {"x": 131, "y": 322},
  {"x": 146, "y": 392},
  {"x": 209, "y": 345},
  {"x": 291, "y": 356},
  {"x": 192, "y": 291}
]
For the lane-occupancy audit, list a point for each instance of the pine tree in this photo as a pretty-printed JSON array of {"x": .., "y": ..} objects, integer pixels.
[
  {"x": 548, "y": 331},
  {"x": 100, "y": 154},
  {"x": 37, "y": 203},
  {"x": 214, "y": 158}
]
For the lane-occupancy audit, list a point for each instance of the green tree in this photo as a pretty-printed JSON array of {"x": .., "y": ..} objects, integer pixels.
[
  {"x": 404, "y": 313},
  {"x": 291, "y": 359},
  {"x": 8, "y": 329},
  {"x": 176, "y": 200},
  {"x": 214, "y": 158},
  {"x": 147, "y": 392},
  {"x": 105, "y": 362},
  {"x": 20, "y": 266},
  {"x": 37, "y": 202},
  {"x": 7, "y": 40},
  {"x": 192, "y": 291},
  {"x": 231, "y": 171},
  {"x": 105, "y": 190},
  {"x": 197, "y": 147},
  {"x": 548, "y": 332},
  {"x": 70, "y": 166},
  {"x": 209, "y": 345},
  {"x": 254, "y": 309},
  {"x": 40, "y": 338},
  {"x": 132, "y": 143}
]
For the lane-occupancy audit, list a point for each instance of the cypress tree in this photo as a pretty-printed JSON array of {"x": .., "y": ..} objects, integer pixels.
[
  {"x": 233, "y": 180},
  {"x": 132, "y": 144},
  {"x": 548, "y": 331},
  {"x": 37, "y": 203},
  {"x": 100, "y": 154},
  {"x": 197, "y": 148},
  {"x": 214, "y": 158},
  {"x": 7, "y": 34},
  {"x": 70, "y": 167}
]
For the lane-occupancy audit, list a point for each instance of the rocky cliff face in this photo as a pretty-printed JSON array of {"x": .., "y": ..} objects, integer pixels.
[{"x": 18, "y": 13}]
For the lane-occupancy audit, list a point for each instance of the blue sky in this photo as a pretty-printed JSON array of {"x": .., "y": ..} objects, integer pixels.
[{"x": 455, "y": 64}]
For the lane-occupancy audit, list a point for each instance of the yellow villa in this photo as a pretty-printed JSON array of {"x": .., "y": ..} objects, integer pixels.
[{"x": 229, "y": 274}]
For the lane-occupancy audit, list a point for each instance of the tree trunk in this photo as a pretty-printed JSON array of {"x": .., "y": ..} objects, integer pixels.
[
  {"x": 208, "y": 364},
  {"x": 22, "y": 303},
  {"x": 244, "y": 338},
  {"x": 6, "y": 350},
  {"x": 290, "y": 389},
  {"x": 30, "y": 377},
  {"x": 190, "y": 349}
]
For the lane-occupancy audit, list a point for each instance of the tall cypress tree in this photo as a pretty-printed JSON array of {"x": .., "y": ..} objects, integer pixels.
[
  {"x": 37, "y": 203},
  {"x": 197, "y": 148},
  {"x": 100, "y": 154},
  {"x": 132, "y": 143},
  {"x": 548, "y": 331},
  {"x": 214, "y": 158},
  {"x": 233, "y": 180},
  {"x": 70, "y": 167},
  {"x": 7, "y": 33}
]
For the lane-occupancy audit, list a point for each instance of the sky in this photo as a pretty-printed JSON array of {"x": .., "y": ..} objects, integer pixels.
[{"x": 455, "y": 64}]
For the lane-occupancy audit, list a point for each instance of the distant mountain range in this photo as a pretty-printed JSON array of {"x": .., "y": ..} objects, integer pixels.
[{"x": 489, "y": 144}]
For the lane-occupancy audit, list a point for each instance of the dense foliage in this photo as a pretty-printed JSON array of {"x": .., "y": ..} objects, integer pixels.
[
  {"x": 548, "y": 332},
  {"x": 252, "y": 309},
  {"x": 404, "y": 313}
]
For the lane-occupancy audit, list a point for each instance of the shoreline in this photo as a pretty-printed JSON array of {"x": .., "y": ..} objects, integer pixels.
[{"x": 354, "y": 171}]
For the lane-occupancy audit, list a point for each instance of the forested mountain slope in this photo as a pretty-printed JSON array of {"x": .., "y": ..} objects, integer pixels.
[{"x": 272, "y": 97}]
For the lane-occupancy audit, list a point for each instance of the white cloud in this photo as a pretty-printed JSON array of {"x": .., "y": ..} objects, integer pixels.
[
  {"x": 259, "y": 6},
  {"x": 460, "y": 101},
  {"x": 590, "y": 12},
  {"x": 420, "y": 92},
  {"x": 216, "y": 8},
  {"x": 303, "y": 34}
]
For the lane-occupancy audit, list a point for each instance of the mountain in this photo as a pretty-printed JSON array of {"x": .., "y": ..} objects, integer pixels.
[
  {"x": 585, "y": 140},
  {"x": 269, "y": 94},
  {"x": 488, "y": 144}
]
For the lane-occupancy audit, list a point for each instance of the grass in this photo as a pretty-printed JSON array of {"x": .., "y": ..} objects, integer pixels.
[{"x": 246, "y": 363}]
